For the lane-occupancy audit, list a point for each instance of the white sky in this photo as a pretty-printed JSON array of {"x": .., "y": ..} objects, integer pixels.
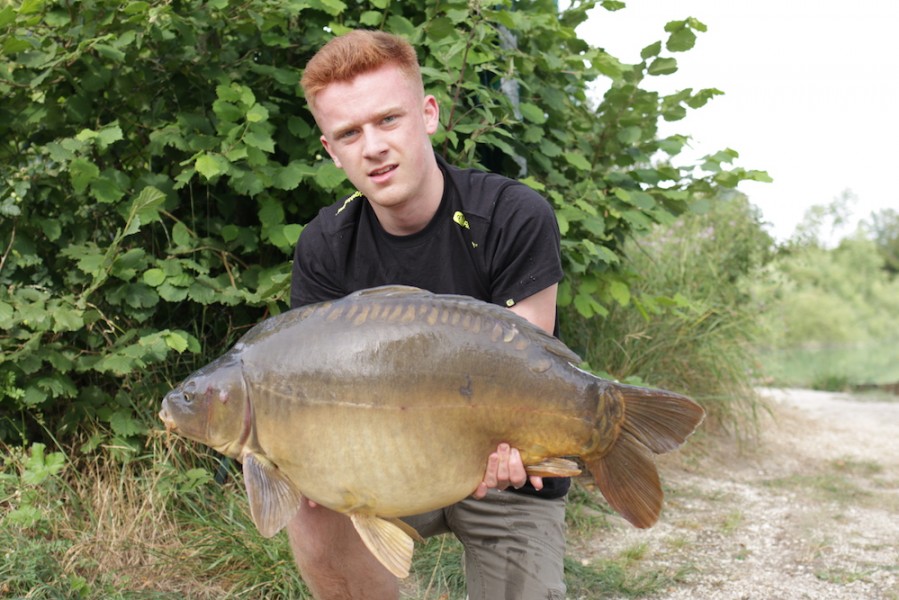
[{"x": 811, "y": 93}]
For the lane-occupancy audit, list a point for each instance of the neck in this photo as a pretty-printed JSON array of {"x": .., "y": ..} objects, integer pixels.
[{"x": 414, "y": 214}]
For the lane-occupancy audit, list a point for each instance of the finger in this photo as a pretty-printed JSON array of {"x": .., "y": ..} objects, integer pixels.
[
  {"x": 490, "y": 474},
  {"x": 504, "y": 453},
  {"x": 480, "y": 492},
  {"x": 537, "y": 482},
  {"x": 517, "y": 473}
]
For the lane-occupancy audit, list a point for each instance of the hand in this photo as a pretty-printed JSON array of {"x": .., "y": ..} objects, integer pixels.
[{"x": 504, "y": 468}]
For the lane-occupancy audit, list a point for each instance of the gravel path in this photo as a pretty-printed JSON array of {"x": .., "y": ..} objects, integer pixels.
[{"x": 811, "y": 511}]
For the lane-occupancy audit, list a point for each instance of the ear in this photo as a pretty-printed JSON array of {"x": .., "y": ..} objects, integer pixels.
[
  {"x": 431, "y": 114},
  {"x": 333, "y": 156}
]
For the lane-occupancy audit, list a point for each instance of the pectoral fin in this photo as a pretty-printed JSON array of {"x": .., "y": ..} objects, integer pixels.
[
  {"x": 273, "y": 498},
  {"x": 554, "y": 467},
  {"x": 387, "y": 540}
]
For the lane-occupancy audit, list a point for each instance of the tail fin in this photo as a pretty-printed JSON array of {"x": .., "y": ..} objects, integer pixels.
[{"x": 655, "y": 422}]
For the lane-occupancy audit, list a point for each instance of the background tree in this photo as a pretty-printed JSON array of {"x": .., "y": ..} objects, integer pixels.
[{"x": 883, "y": 227}]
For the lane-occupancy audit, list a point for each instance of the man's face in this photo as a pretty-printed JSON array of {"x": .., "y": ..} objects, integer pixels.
[{"x": 377, "y": 128}]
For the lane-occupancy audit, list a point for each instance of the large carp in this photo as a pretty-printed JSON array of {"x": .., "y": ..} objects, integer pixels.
[{"x": 350, "y": 403}]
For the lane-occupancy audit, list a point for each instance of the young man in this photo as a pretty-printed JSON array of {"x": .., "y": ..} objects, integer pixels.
[{"x": 415, "y": 220}]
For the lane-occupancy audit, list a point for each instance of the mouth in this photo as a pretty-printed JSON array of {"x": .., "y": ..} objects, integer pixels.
[
  {"x": 381, "y": 172},
  {"x": 167, "y": 419}
]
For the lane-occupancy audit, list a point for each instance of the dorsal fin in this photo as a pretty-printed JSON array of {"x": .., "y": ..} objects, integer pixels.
[{"x": 390, "y": 290}]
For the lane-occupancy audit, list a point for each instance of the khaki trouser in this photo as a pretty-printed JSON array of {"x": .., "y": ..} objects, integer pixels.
[{"x": 514, "y": 544}]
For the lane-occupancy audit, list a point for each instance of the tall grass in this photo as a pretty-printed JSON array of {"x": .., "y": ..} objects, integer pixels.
[
  {"x": 159, "y": 527},
  {"x": 154, "y": 526},
  {"x": 691, "y": 326}
]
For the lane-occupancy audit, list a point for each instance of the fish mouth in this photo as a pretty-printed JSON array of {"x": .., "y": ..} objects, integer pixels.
[{"x": 167, "y": 419}]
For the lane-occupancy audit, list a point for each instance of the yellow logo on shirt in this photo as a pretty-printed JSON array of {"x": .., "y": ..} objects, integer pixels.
[
  {"x": 347, "y": 201},
  {"x": 460, "y": 219}
]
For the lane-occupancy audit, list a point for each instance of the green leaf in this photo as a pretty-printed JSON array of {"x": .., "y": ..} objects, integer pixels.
[
  {"x": 91, "y": 261},
  {"x": 28, "y": 7},
  {"x": 227, "y": 111},
  {"x": 228, "y": 93},
  {"x": 532, "y": 112},
  {"x": 259, "y": 138},
  {"x": 400, "y": 26},
  {"x": 136, "y": 7},
  {"x": 201, "y": 292},
  {"x": 123, "y": 423},
  {"x": 651, "y": 50},
  {"x": 577, "y": 160},
  {"x": 257, "y": 114},
  {"x": 292, "y": 233},
  {"x": 82, "y": 172},
  {"x": 211, "y": 165},
  {"x": 332, "y": 7},
  {"x": 148, "y": 204},
  {"x": 329, "y": 176},
  {"x": 662, "y": 66},
  {"x": 587, "y": 306},
  {"x": 109, "y": 135},
  {"x": 67, "y": 319},
  {"x": 370, "y": 18},
  {"x": 289, "y": 177},
  {"x": 7, "y": 16},
  {"x": 105, "y": 189},
  {"x": 629, "y": 135},
  {"x": 271, "y": 213},
  {"x": 440, "y": 28},
  {"x": 681, "y": 40},
  {"x": 181, "y": 235},
  {"x": 110, "y": 52},
  {"x": 176, "y": 341},
  {"x": 154, "y": 277},
  {"x": 533, "y": 184},
  {"x": 620, "y": 292}
]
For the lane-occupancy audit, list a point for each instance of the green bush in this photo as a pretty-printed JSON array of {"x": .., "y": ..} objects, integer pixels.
[{"x": 157, "y": 163}]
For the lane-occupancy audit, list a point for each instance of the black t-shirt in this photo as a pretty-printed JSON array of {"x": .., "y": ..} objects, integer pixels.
[{"x": 492, "y": 238}]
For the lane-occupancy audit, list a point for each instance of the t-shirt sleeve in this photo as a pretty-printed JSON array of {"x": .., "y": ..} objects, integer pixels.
[
  {"x": 312, "y": 277},
  {"x": 526, "y": 254}
]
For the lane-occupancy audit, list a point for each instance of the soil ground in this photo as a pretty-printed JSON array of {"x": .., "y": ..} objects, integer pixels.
[{"x": 809, "y": 510}]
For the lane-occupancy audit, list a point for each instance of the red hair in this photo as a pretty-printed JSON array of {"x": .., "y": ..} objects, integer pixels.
[{"x": 351, "y": 54}]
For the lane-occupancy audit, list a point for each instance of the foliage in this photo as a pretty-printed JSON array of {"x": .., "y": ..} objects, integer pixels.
[
  {"x": 883, "y": 228},
  {"x": 828, "y": 310},
  {"x": 692, "y": 324},
  {"x": 157, "y": 162},
  {"x": 816, "y": 296}
]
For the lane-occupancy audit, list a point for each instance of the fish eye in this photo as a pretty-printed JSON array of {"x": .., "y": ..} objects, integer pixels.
[{"x": 188, "y": 391}]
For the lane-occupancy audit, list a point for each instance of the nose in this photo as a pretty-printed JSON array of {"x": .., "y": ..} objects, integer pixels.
[{"x": 375, "y": 143}]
